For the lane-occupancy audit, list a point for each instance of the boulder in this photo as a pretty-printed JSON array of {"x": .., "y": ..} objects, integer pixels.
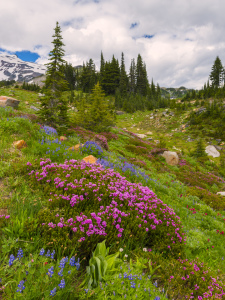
[
  {"x": 149, "y": 133},
  {"x": 8, "y": 101},
  {"x": 119, "y": 112},
  {"x": 211, "y": 151},
  {"x": 90, "y": 159},
  {"x": 76, "y": 147},
  {"x": 34, "y": 108},
  {"x": 172, "y": 158},
  {"x": 221, "y": 193},
  {"x": 141, "y": 135},
  {"x": 63, "y": 138},
  {"x": 19, "y": 144}
]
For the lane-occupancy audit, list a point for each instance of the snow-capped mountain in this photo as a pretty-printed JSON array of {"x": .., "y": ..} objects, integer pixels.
[{"x": 13, "y": 68}]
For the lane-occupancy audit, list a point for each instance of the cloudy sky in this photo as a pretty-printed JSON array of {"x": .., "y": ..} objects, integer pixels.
[{"x": 178, "y": 39}]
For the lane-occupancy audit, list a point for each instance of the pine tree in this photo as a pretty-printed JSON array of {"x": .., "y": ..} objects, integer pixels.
[
  {"x": 53, "y": 106},
  {"x": 216, "y": 73}
]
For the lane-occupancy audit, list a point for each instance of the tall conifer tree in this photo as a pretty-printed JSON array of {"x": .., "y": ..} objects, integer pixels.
[
  {"x": 216, "y": 74},
  {"x": 53, "y": 106},
  {"x": 123, "y": 77}
]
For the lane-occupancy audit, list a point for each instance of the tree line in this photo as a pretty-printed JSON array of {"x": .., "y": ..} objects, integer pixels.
[{"x": 215, "y": 86}]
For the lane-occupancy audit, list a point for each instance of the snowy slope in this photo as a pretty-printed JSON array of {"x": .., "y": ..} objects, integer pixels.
[{"x": 13, "y": 68}]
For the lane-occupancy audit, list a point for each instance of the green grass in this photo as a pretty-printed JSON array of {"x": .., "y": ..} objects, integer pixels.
[{"x": 202, "y": 224}]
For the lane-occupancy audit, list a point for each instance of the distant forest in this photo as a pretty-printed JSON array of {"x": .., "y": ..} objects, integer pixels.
[{"x": 132, "y": 91}]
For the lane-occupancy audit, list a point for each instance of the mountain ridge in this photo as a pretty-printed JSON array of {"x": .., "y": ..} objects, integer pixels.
[{"x": 13, "y": 68}]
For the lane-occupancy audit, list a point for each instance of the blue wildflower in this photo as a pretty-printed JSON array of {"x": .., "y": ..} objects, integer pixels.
[
  {"x": 53, "y": 292},
  {"x": 48, "y": 253},
  {"x": 42, "y": 251},
  {"x": 52, "y": 254},
  {"x": 50, "y": 271},
  {"x": 11, "y": 259},
  {"x": 62, "y": 284},
  {"x": 20, "y": 253},
  {"x": 21, "y": 286}
]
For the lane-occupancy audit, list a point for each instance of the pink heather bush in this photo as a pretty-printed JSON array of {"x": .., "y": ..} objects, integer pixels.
[
  {"x": 188, "y": 279},
  {"x": 88, "y": 204}
]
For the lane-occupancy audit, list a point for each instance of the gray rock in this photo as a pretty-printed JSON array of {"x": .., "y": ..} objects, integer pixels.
[
  {"x": 34, "y": 108},
  {"x": 119, "y": 112},
  {"x": 141, "y": 135},
  {"x": 211, "y": 151},
  {"x": 221, "y": 193},
  {"x": 218, "y": 147},
  {"x": 219, "y": 140},
  {"x": 200, "y": 110}
]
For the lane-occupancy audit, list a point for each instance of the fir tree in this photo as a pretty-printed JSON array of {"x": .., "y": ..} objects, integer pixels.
[
  {"x": 132, "y": 82},
  {"x": 53, "y": 106},
  {"x": 96, "y": 113},
  {"x": 123, "y": 77},
  {"x": 216, "y": 73}
]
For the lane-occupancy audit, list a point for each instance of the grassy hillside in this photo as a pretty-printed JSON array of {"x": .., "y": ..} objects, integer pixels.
[{"x": 163, "y": 225}]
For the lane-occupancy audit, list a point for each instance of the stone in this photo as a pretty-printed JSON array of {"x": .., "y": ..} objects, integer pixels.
[
  {"x": 34, "y": 108},
  {"x": 172, "y": 158},
  {"x": 200, "y": 110},
  {"x": 90, "y": 159},
  {"x": 63, "y": 138},
  {"x": 211, "y": 151},
  {"x": 218, "y": 147},
  {"x": 221, "y": 193},
  {"x": 76, "y": 147},
  {"x": 149, "y": 133},
  {"x": 27, "y": 103},
  {"x": 141, "y": 135},
  {"x": 19, "y": 144},
  {"x": 119, "y": 112},
  {"x": 8, "y": 101}
]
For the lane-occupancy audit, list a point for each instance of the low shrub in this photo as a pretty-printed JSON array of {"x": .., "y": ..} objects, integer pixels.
[
  {"x": 215, "y": 201},
  {"x": 89, "y": 203},
  {"x": 184, "y": 279},
  {"x": 203, "y": 180}
]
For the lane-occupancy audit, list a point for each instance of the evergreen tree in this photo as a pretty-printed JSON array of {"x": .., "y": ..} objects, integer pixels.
[
  {"x": 53, "y": 106},
  {"x": 102, "y": 68},
  {"x": 123, "y": 77},
  {"x": 96, "y": 114},
  {"x": 199, "y": 149},
  {"x": 216, "y": 73},
  {"x": 132, "y": 81},
  {"x": 70, "y": 75},
  {"x": 141, "y": 77}
]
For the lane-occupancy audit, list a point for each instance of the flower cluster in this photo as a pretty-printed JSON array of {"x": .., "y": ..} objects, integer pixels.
[{"x": 101, "y": 200}]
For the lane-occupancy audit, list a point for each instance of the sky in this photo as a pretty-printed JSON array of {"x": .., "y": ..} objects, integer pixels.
[{"x": 178, "y": 40}]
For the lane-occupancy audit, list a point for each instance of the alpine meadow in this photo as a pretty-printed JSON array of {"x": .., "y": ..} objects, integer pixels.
[{"x": 111, "y": 187}]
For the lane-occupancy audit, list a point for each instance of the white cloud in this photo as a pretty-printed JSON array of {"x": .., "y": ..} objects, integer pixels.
[{"x": 187, "y": 34}]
